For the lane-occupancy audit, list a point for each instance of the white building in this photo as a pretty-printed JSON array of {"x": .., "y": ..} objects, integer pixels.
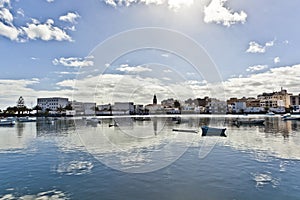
[
  {"x": 52, "y": 103},
  {"x": 123, "y": 108},
  {"x": 83, "y": 108}
]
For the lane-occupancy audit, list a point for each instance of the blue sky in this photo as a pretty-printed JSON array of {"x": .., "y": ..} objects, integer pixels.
[{"x": 47, "y": 45}]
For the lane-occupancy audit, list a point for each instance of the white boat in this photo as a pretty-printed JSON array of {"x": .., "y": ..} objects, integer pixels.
[
  {"x": 209, "y": 131},
  {"x": 270, "y": 113},
  {"x": 286, "y": 115},
  {"x": 7, "y": 122},
  {"x": 27, "y": 119}
]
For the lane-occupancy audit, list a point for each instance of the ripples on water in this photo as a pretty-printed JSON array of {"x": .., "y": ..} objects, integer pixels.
[{"x": 73, "y": 159}]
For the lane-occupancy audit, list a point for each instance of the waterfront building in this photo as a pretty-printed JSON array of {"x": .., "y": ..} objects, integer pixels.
[
  {"x": 123, "y": 108},
  {"x": 275, "y": 99},
  {"x": 216, "y": 106},
  {"x": 295, "y": 103},
  {"x": 52, "y": 103},
  {"x": 83, "y": 108}
]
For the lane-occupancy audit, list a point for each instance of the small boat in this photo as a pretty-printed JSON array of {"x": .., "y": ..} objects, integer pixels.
[
  {"x": 7, "y": 122},
  {"x": 209, "y": 131},
  {"x": 286, "y": 115},
  {"x": 26, "y": 119},
  {"x": 185, "y": 130},
  {"x": 93, "y": 120},
  {"x": 114, "y": 124},
  {"x": 270, "y": 113},
  {"x": 291, "y": 118},
  {"x": 239, "y": 122}
]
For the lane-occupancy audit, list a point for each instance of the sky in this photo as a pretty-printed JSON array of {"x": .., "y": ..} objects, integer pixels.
[{"x": 107, "y": 51}]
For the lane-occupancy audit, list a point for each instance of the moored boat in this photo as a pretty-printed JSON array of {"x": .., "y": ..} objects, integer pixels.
[
  {"x": 7, "y": 122},
  {"x": 239, "y": 122},
  {"x": 26, "y": 119},
  {"x": 210, "y": 131},
  {"x": 291, "y": 118}
]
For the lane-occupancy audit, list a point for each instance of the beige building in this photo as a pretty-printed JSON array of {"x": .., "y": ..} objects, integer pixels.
[{"x": 275, "y": 99}]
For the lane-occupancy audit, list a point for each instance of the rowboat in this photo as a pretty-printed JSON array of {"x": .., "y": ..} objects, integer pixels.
[
  {"x": 210, "y": 131},
  {"x": 239, "y": 122}
]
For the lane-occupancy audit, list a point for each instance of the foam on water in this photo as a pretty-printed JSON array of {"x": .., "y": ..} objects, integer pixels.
[
  {"x": 75, "y": 168},
  {"x": 48, "y": 195}
]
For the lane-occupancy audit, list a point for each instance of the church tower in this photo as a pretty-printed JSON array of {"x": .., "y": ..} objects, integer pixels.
[{"x": 154, "y": 100}]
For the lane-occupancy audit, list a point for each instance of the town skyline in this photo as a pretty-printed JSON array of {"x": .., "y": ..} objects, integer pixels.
[
  {"x": 45, "y": 53},
  {"x": 278, "y": 101}
]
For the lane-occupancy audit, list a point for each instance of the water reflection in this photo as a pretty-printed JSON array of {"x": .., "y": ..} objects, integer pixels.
[{"x": 152, "y": 139}]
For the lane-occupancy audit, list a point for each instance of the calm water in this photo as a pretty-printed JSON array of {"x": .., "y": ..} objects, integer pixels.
[{"x": 75, "y": 159}]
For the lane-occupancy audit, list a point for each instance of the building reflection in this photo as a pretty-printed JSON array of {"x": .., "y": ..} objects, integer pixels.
[{"x": 52, "y": 126}]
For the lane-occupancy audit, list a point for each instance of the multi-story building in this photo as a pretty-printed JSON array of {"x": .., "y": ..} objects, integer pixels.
[
  {"x": 123, "y": 107},
  {"x": 52, "y": 103},
  {"x": 83, "y": 108},
  {"x": 295, "y": 103},
  {"x": 275, "y": 99}
]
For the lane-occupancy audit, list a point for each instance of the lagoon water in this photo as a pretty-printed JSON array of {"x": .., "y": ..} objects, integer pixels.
[{"x": 144, "y": 159}]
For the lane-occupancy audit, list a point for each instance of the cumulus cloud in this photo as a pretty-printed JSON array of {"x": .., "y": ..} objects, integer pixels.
[
  {"x": 70, "y": 17},
  {"x": 32, "y": 31},
  {"x": 7, "y": 29},
  {"x": 23, "y": 87},
  {"x": 74, "y": 61},
  {"x": 276, "y": 60},
  {"x": 256, "y": 68},
  {"x": 46, "y": 31},
  {"x": 172, "y": 4},
  {"x": 254, "y": 47},
  {"x": 216, "y": 12},
  {"x": 133, "y": 69}
]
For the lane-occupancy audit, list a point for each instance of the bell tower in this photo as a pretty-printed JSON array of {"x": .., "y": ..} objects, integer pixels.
[{"x": 154, "y": 100}]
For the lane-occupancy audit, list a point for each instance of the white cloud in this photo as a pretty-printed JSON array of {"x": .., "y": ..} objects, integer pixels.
[
  {"x": 276, "y": 60},
  {"x": 254, "y": 47},
  {"x": 4, "y": 3},
  {"x": 22, "y": 87},
  {"x": 74, "y": 62},
  {"x": 6, "y": 16},
  {"x": 46, "y": 31},
  {"x": 256, "y": 68},
  {"x": 7, "y": 29},
  {"x": 127, "y": 68},
  {"x": 10, "y": 32},
  {"x": 21, "y": 12},
  {"x": 167, "y": 71},
  {"x": 172, "y": 4},
  {"x": 270, "y": 43},
  {"x": 165, "y": 55},
  {"x": 50, "y": 1},
  {"x": 35, "y": 30},
  {"x": 217, "y": 12},
  {"x": 70, "y": 17}
]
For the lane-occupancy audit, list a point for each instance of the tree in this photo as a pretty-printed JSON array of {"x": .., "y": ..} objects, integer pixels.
[
  {"x": 21, "y": 105},
  {"x": 176, "y": 104},
  {"x": 37, "y": 108},
  {"x": 69, "y": 107},
  {"x": 60, "y": 109}
]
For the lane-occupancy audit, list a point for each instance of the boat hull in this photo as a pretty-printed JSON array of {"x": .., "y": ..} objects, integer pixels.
[{"x": 209, "y": 131}]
